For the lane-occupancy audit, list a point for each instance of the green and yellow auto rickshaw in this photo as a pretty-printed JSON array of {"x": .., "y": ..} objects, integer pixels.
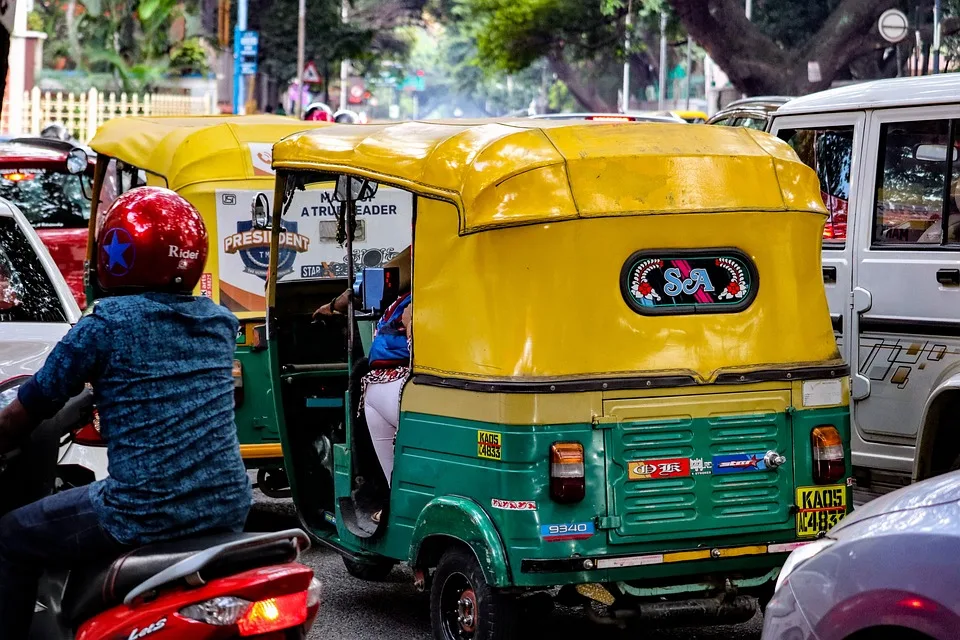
[
  {"x": 221, "y": 164},
  {"x": 624, "y": 380}
]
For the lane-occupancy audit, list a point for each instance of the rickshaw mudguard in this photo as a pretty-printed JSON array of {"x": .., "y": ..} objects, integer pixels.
[{"x": 463, "y": 520}]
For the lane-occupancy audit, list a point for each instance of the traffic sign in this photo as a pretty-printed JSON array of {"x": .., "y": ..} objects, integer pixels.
[
  {"x": 311, "y": 75},
  {"x": 249, "y": 43},
  {"x": 893, "y": 25}
]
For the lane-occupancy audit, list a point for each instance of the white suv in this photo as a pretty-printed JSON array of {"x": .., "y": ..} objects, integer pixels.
[{"x": 886, "y": 153}]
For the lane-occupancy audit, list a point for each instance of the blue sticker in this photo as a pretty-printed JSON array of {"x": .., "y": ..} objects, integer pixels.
[
  {"x": 571, "y": 531},
  {"x": 738, "y": 463},
  {"x": 118, "y": 245}
]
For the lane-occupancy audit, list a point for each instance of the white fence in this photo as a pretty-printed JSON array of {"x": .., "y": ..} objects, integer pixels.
[{"x": 82, "y": 114}]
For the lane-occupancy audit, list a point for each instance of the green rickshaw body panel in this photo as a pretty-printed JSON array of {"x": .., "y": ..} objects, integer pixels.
[{"x": 513, "y": 496}]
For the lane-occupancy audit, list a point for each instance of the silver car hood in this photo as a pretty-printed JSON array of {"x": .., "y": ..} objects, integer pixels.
[
  {"x": 928, "y": 493},
  {"x": 24, "y": 346}
]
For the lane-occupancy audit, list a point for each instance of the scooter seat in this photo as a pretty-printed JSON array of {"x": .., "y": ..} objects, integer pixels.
[{"x": 101, "y": 585}]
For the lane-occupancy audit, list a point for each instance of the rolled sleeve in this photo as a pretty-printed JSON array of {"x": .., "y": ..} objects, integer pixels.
[{"x": 71, "y": 364}]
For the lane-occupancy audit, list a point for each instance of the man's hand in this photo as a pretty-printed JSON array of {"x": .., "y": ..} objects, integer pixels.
[
  {"x": 333, "y": 307},
  {"x": 15, "y": 424}
]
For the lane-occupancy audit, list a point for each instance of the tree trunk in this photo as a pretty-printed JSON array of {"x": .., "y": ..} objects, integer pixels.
[
  {"x": 756, "y": 64},
  {"x": 585, "y": 91}
]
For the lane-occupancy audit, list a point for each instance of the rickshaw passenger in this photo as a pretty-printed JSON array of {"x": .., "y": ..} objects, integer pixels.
[{"x": 389, "y": 366}]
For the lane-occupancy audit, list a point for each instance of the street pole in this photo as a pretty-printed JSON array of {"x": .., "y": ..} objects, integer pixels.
[
  {"x": 936, "y": 36},
  {"x": 301, "y": 44},
  {"x": 344, "y": 63},
  {"x": 663, "y": 61},
  {"x": 686, "y": 80},
  {"x": 749, "y": 11},
  {"x": 239, "y": 95},
  {"x": 625, "y": 99}
]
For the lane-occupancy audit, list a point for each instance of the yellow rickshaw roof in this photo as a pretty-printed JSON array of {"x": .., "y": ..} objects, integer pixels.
[
  {"x": 516, "y": 172},
  {"x": 190, "y": 149}
]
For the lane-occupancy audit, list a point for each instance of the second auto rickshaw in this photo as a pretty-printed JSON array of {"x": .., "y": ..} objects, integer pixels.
[
  {"x": 624, "y": 381},
  {"x": 220, "y": 164}
]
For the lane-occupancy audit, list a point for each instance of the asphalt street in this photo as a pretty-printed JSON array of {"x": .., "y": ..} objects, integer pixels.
[{"x": 353, "y": 609}]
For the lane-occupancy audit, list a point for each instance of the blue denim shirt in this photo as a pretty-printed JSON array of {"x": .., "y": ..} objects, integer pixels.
[{"x": 161, "y": 369}]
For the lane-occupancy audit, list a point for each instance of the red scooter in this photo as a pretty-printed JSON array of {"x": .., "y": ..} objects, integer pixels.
[{"x": 231, "y": 585}]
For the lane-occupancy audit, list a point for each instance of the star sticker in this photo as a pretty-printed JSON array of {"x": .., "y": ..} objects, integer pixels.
[{"x": 115, "y": 252}]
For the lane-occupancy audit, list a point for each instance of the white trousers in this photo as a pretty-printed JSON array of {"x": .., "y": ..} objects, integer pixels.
[{"x": 381, "y": 407}]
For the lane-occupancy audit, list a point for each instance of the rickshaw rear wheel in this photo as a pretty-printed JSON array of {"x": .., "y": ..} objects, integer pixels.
[
  {"x": 371, "y": 571},
  {"x": 463, "y": 606}
]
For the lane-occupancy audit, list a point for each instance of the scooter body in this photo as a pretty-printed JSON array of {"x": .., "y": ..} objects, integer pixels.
[{"x": 224, "y": 585}]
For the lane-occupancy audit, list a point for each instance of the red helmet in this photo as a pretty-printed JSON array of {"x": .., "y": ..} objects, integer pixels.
[{"x": 151, "y": 239}]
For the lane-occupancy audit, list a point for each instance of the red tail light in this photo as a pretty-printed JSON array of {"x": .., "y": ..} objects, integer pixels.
[
  {"x": 89, "y": 434},
  {"x": 567, "y": 482},
  {"x": 274, "y": 614},
  {"x": 827, "y": 448}
]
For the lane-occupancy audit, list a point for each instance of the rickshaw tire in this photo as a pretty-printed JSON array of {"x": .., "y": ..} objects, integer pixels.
[
  {"x": 373, "y": 571},
  {"x": 496, "y": 611}
]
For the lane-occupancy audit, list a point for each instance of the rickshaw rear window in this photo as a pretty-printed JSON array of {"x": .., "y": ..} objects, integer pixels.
[{"x": 688, "y": 282}]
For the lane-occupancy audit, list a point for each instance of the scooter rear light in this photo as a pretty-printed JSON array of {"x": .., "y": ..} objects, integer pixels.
[
  {"x": 828, "y": 459},
  {"x": 219, "y": 612},
  {"x": 274, "y": 614},
  {"x": 89, "y": 434},
  {"x": 567, "y": 482}
]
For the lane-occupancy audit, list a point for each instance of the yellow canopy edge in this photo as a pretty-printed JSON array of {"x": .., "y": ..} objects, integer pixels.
[
  {"x": 190, "y": 149},
  {"x": 518, "y": 172}
]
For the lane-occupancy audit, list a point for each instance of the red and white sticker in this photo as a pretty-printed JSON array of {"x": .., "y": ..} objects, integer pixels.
[
  {"x": 513, "y": 505},
  {"x": 206, "y": 285},
  {"x": 658, "y": 469}
]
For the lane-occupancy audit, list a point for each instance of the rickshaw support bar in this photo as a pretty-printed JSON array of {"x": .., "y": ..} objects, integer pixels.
[{"x": 723, "y": 608}]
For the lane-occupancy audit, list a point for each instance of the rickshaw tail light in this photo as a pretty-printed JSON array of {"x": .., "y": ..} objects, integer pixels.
[
  {"x": 828, "y": 455},
  {"x": 567, "y": 482}
]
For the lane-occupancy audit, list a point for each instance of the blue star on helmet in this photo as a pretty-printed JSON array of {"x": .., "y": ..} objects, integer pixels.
[{"x": 115, "y": 252}]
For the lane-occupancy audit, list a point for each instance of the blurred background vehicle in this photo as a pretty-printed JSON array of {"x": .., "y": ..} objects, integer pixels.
[
  {"x": 50, "y": 181},
  {"x": 37, "y": 309},
  {"x": 888, "y": 570},
  {"x": 753, "y": 113}
]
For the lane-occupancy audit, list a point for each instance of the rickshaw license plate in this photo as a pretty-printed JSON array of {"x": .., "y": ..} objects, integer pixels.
[{"x": 819, "y": 509}]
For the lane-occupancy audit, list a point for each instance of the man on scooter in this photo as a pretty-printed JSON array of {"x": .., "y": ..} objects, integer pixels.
[{"x": 160, "y": 362}]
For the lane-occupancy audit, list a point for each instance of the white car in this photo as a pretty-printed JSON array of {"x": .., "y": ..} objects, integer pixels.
[{"x": 36, "y": 311}]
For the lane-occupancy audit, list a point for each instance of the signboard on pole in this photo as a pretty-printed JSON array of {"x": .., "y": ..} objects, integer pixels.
[
  {"x": 248, "y": 45},
  {"x": 893, "y": 25},
  {"x": 311, "y": 75}
]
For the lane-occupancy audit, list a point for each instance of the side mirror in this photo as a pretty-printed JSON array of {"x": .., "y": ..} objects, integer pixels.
[
  {"x": 77, "y": 161},
  {"x": 933, "y": 153},
  {"x": 378, "y": 287},
  {"x": 260, "y": 212},
  {"x": 354, "y": 189}
]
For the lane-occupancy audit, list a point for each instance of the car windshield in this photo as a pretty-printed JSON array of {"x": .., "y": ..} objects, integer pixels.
[
  {"x": 48, "y": 198},
  {"x": 26, "y": 292}
]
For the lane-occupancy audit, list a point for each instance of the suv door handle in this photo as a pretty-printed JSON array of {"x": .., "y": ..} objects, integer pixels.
[
  {"x": 830, "y": 275},
  {"x": 949, "y": 277}
]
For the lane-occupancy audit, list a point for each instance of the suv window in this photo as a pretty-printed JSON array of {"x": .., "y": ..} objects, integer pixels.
[
  {"x": 917, "y": 184},
  {"x": 751, "y": 122},
  {"x": 828, "y": 151},
  {"x": 48, "y": 198},
  {"x": 26, "y": 293}
]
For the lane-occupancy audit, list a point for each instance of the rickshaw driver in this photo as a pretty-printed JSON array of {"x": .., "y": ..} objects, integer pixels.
[
  {"x": 160, "y": 361},
  {"x": 389, "y": 366}
]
